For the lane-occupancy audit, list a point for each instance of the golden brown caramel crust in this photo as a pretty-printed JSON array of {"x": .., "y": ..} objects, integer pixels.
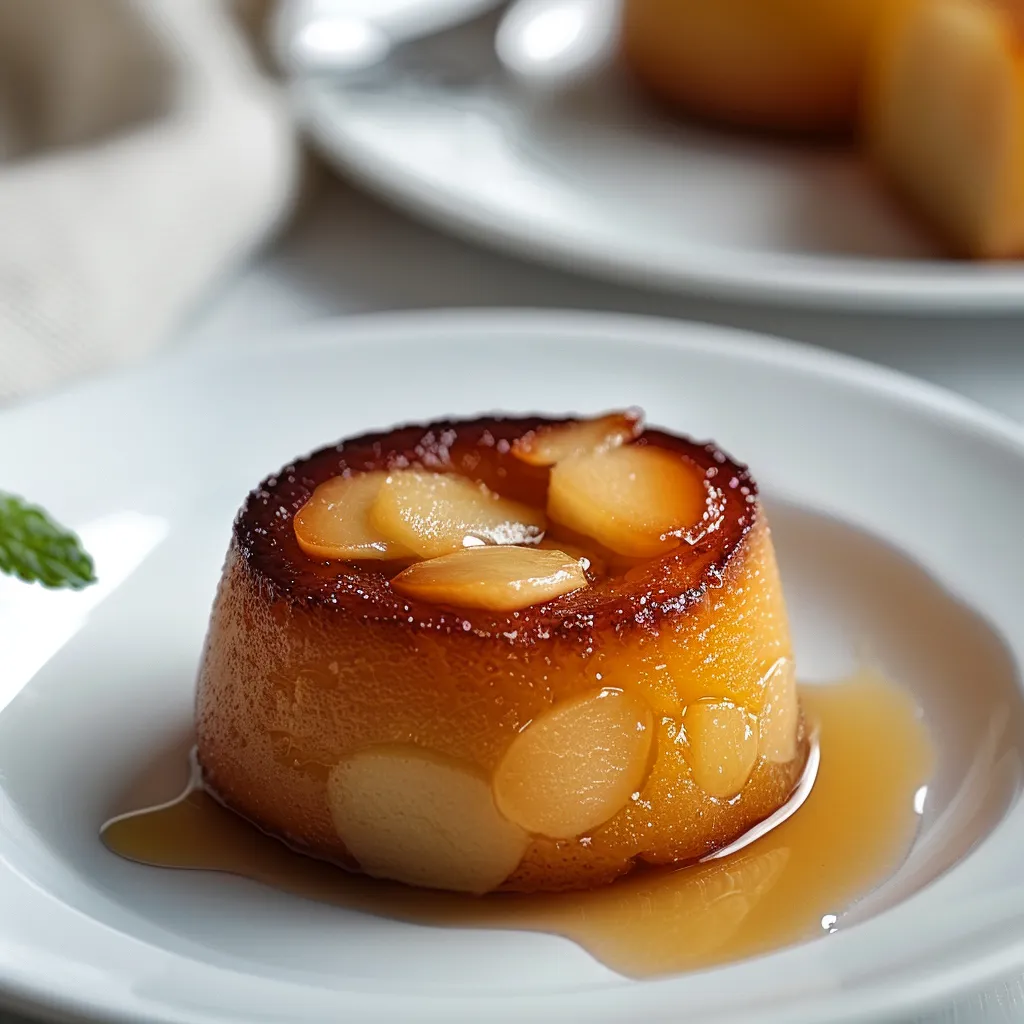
[
  {"x": 482, "y": 448},
  {"x": 307, "y": 663}
]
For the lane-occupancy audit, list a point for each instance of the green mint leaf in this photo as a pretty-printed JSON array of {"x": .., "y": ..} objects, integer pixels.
[{"x": 37, "y": 550}]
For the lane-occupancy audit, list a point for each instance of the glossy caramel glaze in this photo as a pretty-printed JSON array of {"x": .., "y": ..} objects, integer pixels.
[
  {"x": 307, "y": 662},
  {"x": 789, "y": 886}
]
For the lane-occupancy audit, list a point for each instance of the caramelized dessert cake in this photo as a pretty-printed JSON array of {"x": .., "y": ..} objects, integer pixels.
[
  {"x": 502, "y": 654},
  {"x": 770, "y": 65},
  {"x": 944, "y": 119}
]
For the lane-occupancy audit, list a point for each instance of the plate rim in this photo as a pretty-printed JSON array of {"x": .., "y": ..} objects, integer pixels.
[
  {"x": 925, "y": 986},
  {"x": 884, "y": 285}
]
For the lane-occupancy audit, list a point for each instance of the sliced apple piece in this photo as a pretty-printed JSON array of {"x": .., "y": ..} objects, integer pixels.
[
  {"x": 589, "y": 560},
  {"x": 335, "y": 522},
  {"x": 550, "y": 444},
  {"x": 944, "y": 118},
  {"x": 434, "y": 514},
  {"x": 576, "y": 766},
  {"x": 780, "y": 718},
  {"x": 416, "y": 817},
  {"x": 500, "y": 579},
  {"x": 628, "y": 499},
  {"x": 722, "y": 740}
]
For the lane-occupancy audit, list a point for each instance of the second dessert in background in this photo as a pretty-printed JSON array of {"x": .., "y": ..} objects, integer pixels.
[
  {"x": 935, "y": 88},
  {"x": 944, "y": 118},
  {"x": 773, "y": 65}
]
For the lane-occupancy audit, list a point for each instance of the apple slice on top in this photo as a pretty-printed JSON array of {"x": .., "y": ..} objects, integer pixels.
[
  {"x": 547, "y": 445},
  {"x": 434, "y": 514},
  {"x": 630, "y": 499},
  {"x": 482, "y": 550},
  {"x": 335, "y": 522},
  {"x": 499, "y": 578}
]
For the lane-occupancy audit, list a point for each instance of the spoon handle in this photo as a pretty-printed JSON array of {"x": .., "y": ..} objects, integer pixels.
[
  {"x": 339, "y": 37},
  {"x": 555, "y": 42}
]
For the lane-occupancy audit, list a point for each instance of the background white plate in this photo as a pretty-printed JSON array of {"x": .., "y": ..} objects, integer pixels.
[
  {"x": 896, "y": 510},
  {"x": 597, "y": 181}
]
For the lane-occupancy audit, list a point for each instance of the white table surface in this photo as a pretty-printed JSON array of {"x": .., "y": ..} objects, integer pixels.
[{"x": 348, "y": 254}]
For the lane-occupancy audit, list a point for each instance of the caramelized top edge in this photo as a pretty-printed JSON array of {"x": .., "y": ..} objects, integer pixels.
[{"x": 265, "y": 538}]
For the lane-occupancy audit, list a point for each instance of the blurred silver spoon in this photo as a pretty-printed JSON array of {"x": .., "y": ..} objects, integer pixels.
[
  {"x": 550, "y": 42},
  {"x": 337, "y": 37}
]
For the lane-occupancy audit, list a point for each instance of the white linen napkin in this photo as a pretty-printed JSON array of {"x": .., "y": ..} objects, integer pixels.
[{"x": 142, "y": 155}]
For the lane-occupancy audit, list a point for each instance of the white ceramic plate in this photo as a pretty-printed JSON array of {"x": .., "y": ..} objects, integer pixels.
[
  {"x": 897, "y": 516},
  {"x": 596, "y": 181}
]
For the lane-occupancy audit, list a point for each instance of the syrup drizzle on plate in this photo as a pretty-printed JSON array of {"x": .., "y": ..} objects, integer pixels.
[{"x": 852, "y": 830}]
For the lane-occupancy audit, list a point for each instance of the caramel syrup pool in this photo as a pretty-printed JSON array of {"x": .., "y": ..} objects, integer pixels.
[{"x": 854, "y": 830}]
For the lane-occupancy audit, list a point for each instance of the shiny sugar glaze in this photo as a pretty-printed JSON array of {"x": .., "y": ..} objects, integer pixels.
[{"x": 789, "y": 886}]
